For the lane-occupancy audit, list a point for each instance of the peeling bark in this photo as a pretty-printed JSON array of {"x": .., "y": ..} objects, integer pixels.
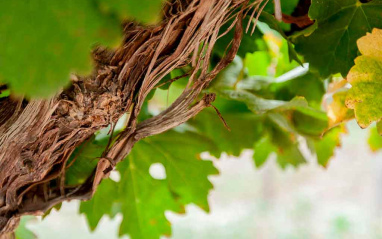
[{"x": 38, "y": 137}]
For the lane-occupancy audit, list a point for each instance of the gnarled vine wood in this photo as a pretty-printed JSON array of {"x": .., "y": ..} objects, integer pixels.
[{"x": 37, "y": 137}]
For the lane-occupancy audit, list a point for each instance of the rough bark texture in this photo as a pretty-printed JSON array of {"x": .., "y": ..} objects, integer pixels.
[{"x": 37, "y": 137}]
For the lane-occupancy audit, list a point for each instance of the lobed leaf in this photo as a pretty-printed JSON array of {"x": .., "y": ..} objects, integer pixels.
[
  {"x": 141, "y": 199},
  {"x": 101, "y": 204},
  {"x": 324, "y": 147},
  {"x": 366, "y": 80},
  {"x": 332, "y": 47},
  {"x": 375, "y": 139}
]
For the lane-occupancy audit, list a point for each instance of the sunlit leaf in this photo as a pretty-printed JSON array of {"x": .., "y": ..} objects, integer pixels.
[
  {"x": 258, "y": 63},
  {"x": 366, "y": 79},
  {"x": 375, "y": 139},
  {"x": 337, "y": 110}
]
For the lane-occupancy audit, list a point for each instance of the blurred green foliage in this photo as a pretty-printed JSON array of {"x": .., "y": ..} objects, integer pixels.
[{"x": 42, "y": 44}]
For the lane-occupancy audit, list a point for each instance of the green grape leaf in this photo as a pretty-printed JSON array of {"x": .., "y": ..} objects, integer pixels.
[
  {"x": 257, "y": 63},
  {"x": 42, "y": 44},
  {"x": 145, "y": 11},
  {"x": 84, "y": 160},
  {"x": 260, "y": 131},
  {"x": 332, "y": 48},
  {"x": 325, "y": 146},
  {"x": 375, "y": 139},
  {"x": 57, "y": 207},
  {"x": 22, "y": 231},
  {"x": 285, "y": 90},
  {"x": 290, "y": 156},
  {"x": 101, "y": 204},
  {"x": 285, "y": 141},
  {"x": 142, "y": 199},
  {"x": 245, "y": 128},
  {"x": 305, "y": 119},
  {"x": 264, "y": 93},
  {"x": 254, "y": 103},
  {"x": 278, "y": 106},
  {"x": 262, "y": 149},
  {"x": 5, "y": 93},
  {"x": 312, "y": 91},
  {"x": 304, "y": 32},
  {"x": 272, "y": 23},
  {"x": 186, "y": 173},
  {"x": 366, "y": 79}
]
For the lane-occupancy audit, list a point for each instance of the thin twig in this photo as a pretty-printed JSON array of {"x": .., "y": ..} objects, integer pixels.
[{"x": 221, "y": 118}]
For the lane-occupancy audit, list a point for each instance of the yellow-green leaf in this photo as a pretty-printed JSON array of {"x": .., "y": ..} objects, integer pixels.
[
  {"x": 375, "y": 140},
  {"x": 366, "y": 79},
  {"x": 337, "y": 110}
]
